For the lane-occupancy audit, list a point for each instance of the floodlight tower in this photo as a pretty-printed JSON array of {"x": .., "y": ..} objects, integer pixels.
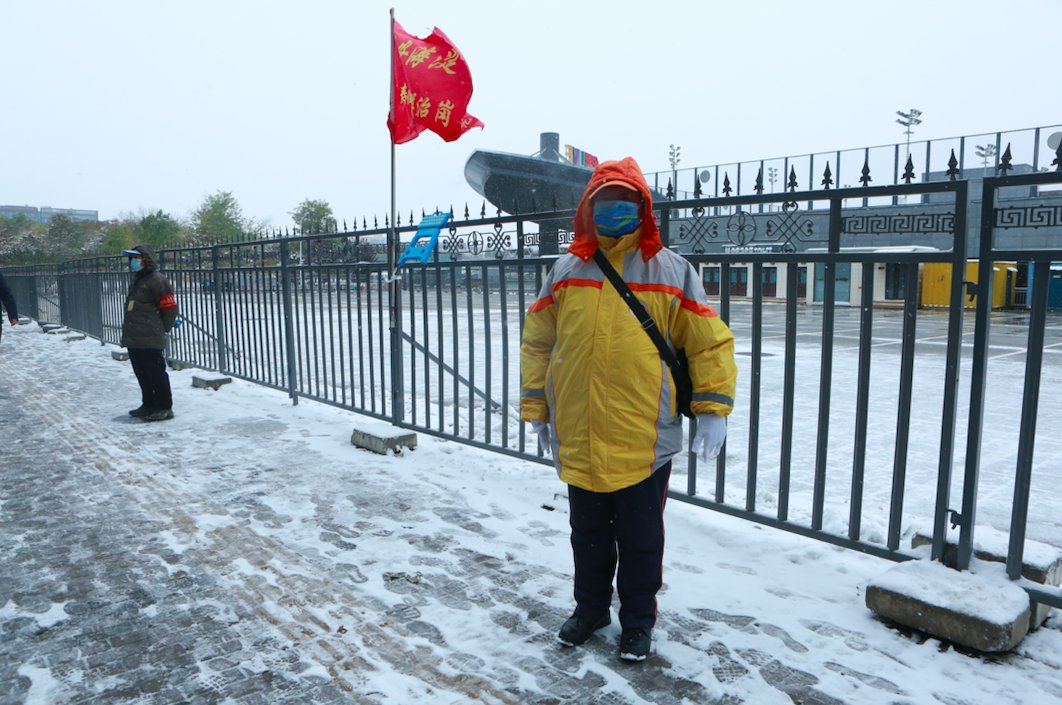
[
  {"x": 673, "y": 159},
  {"x": 985, "y": 152},
  {"x": 909, "y": 120}
]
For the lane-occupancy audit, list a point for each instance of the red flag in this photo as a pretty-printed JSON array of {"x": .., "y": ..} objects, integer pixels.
[{"x": 430, "y": 87}]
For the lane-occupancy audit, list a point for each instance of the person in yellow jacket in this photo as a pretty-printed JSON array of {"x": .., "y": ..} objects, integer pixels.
[{"x": 603, "y": 402}]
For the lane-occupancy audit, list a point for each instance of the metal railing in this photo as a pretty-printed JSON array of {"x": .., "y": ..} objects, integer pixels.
[
  {"x": 304, "y": 316},
  {"x": 925, "y": 160}
]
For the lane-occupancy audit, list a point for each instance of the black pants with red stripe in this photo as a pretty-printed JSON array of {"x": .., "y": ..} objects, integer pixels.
[
  {"x": 624, "y": 527},
  {"x": 149, "y": 366}
]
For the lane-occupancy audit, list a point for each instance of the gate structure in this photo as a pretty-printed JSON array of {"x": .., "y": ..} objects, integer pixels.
[{"x": 850, "y": 419}]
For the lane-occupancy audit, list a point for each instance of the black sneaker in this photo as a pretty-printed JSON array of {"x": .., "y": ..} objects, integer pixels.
[
  {"x": 159, "y": 415},
  {"x": 139, "y": 412},
  {"x": 578, "y": 629},
  {"x": 634, "y": 644}
]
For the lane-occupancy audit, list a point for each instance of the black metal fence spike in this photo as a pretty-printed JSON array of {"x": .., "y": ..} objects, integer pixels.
[
  {"x": 483, "y": 210},
  {"x": 365, "y": 223},
  {"x": 726, "y": 184},
  {"x": 696, "y": 187},
  {"x": 865, "y": 178},
  {"x": 375, "y": 223},
  {"x": 411, "y": 217},
  {"x": 792, "y": 186},
  {"x": 451, "y": 211},
  {"x": 1004, "y": 162},
  {"x": 908, "y": 169},
  {"x": 499, "y": 211},
  {"x": 758, "y": 188},
  {"x": 345, "y": 229},
  {"x": 670, "y": 193},
  {"x": 387, "y": 222},
  {"x": 827, "y": 177},
  {"x": 466, "y": 210},
  {"x": 953, "y": 167},
  {"x": 1057, "y": 162}
]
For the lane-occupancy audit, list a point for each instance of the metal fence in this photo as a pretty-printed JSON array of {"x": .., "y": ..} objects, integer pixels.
[{"x": 435, "y": 348}]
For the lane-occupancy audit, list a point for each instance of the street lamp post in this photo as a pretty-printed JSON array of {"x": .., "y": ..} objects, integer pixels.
[
  {"x": 673, "y": 158},
  {"x": 772, "y": 176},
  {"x": 909, "y": 119},
  {"x": 985, "y": 152}
]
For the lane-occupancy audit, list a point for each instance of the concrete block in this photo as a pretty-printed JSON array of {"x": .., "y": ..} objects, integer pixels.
[
  {"x": 50, "y": 327},
  {"x": 58, "y": 331},
  {"x": 76, "y": 336},
  {"x": 178, "y": 365},
  {"x": 119, "y": 355},
  {"x": 24, "y": 320},
  {"x": 983, "y": 611},
  {"x": 1041, "y": 562},
  {"x": 209, "y": 381},
  {"x": 380, "y": 437}
]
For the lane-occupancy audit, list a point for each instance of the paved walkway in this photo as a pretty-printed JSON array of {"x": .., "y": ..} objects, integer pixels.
[{"x": 145, "y": 568}]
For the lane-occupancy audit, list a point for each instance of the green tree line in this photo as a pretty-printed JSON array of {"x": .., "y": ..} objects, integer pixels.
[{"x": 218, "y": 220}]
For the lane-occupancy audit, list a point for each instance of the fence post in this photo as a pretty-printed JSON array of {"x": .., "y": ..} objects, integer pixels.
[
  {"x": 289, "y": 325},
  {"x": 978, "y": 374},
  {"x": 219, "y": 309},
  {"x": 665, "y": 224}
]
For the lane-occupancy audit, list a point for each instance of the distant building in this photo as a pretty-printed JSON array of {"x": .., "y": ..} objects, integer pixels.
[{"x": 46, "y": 213}]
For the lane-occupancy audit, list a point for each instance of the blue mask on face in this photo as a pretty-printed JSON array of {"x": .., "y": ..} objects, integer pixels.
[
  {"x": 616, "y": 218},
  {"x": 135, "y": 265}
]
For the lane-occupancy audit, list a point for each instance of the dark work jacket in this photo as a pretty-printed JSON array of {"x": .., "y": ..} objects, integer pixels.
[
  {"x": 8, "y": 299},
  {"x": 150, "y": 308}
]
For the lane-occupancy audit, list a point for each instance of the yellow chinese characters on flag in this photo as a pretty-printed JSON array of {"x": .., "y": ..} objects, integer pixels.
[{"x": 431, "y": 87}]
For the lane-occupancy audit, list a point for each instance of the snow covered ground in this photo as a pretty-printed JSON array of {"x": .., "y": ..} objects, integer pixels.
[{"x": 437, "y": 576}]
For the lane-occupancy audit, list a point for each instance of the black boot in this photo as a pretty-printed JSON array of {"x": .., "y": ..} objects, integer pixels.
[
  {"x": 578, "y": 629},
  {"x": 139, "y": 412},
  {"x": 634, "y": 644}
]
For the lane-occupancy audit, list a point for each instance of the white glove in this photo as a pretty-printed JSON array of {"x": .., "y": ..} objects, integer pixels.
[
  {"x": 711, "y": 432},
  {"x": 541, "y": 428}
]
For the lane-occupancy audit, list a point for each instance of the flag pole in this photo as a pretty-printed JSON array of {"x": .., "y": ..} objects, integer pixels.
[{"x": 392, "y": 263}]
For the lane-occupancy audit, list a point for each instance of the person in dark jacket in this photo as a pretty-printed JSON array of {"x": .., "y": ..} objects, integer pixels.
[
  {"x": 8, "y": 299},
  {"x": 150, "y": 312}
]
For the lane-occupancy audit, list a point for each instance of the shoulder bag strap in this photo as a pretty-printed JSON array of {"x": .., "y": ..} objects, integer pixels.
[{"x": 648, "y": 324}]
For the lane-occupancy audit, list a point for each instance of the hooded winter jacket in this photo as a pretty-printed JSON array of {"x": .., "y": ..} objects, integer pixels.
[
  {"x": 150, "y": 307},
  {"x": 8, "y": 299},
  {"x": 589, "y": 369}
]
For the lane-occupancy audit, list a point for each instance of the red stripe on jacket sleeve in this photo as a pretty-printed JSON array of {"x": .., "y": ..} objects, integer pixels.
[
  {"x": 699, "y": 308},
  {"x": 544, "y": 302},
  {"x": 167, "y": 302}
]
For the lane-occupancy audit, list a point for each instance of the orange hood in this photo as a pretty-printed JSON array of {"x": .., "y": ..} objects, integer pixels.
[{"x": 627, "y": 173}]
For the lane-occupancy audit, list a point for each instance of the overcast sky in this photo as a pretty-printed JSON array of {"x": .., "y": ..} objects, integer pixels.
[{"x": 125, "y": 106}]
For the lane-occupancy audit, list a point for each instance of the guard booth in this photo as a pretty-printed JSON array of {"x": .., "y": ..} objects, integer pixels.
[
  {"x": 936, "y": 284},
  {"x": 1054, "y": 286}
]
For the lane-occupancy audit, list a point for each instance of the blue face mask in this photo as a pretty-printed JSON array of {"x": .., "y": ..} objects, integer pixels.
[
  {"x": 135, "y": 264},
  {"x": 616, "y": 218}
]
